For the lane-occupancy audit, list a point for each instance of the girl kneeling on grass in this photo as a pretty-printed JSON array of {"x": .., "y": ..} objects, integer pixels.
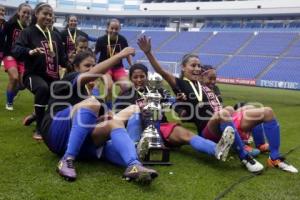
[
  {"x": 70, "y": 127},
  {"x": 207, "y": 113}
]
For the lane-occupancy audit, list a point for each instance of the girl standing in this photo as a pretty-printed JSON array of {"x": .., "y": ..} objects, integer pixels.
[
  {"x": 12, "y": 65},
  {"x": 70, "y": 33},
  {"x": 107, "y": 46},
  {"x": 43, "y": 53},
  {"x": 2, "y": 35}
]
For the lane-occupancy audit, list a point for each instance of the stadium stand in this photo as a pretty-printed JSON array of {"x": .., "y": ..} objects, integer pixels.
[
  {"x": 225, "y": 43},
  {"x": 269, "y": 44},
  {"x": 287, "y": 70},
  {"x": 185, "y": 42},
  {"x": 256, "y": 48},
  {"x": 244, "y": 67}
]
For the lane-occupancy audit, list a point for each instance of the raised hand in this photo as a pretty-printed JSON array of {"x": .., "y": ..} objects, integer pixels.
[{"x": 144, "y": 43}]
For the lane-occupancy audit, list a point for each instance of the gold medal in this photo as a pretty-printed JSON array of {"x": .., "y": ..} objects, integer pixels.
[
  {"x": 20, "y": 24},
  {"x": 111, "y": 51},
  {"x": 73, "y": 38},
  {"x": 52, "y": 54},
  {"x": 49, "y": 40},
  {"x": 197, "y": 93}
]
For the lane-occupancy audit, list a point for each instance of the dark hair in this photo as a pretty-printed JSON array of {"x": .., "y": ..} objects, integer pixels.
[
  {"x": 206, "y": 68},
  {"x": 239, "y": 105},
  {"x": 81, "y": 56},
  {"x": 185, "y": 59},
  {"x": 138, "y": 66},
  {"x": 80, "y": 39},
  {"x": 112, "y": 20},
  {"x": 37, "y": 9},
  {"x": 68, "y": 19},
  {"x": 15, "y": 17}
]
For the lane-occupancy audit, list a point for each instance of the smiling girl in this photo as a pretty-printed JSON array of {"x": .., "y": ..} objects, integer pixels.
[
  {"x": 70, "y": 34},
  {"x": 42, "y": 52},
  {"x": 71, "y": 130},
  {"x": 207, "y": 113},
  {"x": 108, "y": 45},
  {"x": 172, "y": 133},
  {"x": 12, "y": 65}
]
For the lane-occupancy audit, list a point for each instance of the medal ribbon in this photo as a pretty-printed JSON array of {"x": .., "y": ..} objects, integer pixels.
[
  {"x": 197, "y": 93},
  {"x": 20, "y": 24},
  {"x": 73, "y": 38},
  {"x": 139, "y": 93},
  {"x": 49, "y": 35},
  {"x": 112, "y": 51}
]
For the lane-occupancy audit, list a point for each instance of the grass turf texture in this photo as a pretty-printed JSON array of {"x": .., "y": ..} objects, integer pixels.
[{"x": 27, "y": 167}]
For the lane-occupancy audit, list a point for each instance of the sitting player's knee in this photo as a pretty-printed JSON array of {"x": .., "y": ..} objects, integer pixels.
[
  {"x": 186, "y": 136},
  {"x": 93, "y": 104},
  {"x": 113, "y": 124},
  {"x": 268, "y": 113},
  {"x": 229, "y": 109},
  {"x": 224, "y": 115}
]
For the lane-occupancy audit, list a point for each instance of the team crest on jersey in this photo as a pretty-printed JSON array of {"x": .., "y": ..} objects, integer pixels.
[
  {"x": 212, "y": 99},
  {"x": 70, "y": 45},
  {"x": 51, "y": 61},
  {"x": 15, "y": 35}
]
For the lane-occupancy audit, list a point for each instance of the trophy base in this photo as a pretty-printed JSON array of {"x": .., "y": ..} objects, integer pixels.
[{"x": 157, "y": 156}]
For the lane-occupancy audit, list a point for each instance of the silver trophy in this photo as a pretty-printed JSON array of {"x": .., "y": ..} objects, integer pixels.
[{"x": 151, "y": 149}]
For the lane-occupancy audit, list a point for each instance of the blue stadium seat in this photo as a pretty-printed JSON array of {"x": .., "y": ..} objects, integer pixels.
[
  {"x": 225, "y": 43},
  {"x": 244, "y": 67},
  {"x": 285, "y": 70},
  {"x": 269, "y": 44},
  {"x": 185, "y": 42}
]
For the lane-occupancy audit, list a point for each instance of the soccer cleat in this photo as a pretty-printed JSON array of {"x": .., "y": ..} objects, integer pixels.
[
  {"x": 9, "y": 107},
  {"x": 37, "y": 136},
  {"x": 29, "y": 119},
  {"x": 252, "y": 165},
  {"x": 264, "y": 147},
  {"x": 252, "y": 151},
  {"x": 224, "y": 144},
  {"x": 281, "y": 164},
  {"x": 143, "y": 148},
  {"x": 140, "y": 174},
  {"x": 66, "y": 169}
]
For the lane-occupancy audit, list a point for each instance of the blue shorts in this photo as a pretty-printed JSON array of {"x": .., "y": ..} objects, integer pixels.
[{"x": 58, "y": 136}]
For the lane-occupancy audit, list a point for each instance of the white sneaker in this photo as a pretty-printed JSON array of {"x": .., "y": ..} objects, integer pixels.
[
  {"x": 9, "y": 107},
  {"x": 252, "y": 165},
  {"x": 143, "y": 148},
  {"x": 224, "y": 144},
  {"x": 281, "y": 164}
]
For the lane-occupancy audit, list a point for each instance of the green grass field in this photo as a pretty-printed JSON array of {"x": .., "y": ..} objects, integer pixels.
[{"x": 27, "y": 168}]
